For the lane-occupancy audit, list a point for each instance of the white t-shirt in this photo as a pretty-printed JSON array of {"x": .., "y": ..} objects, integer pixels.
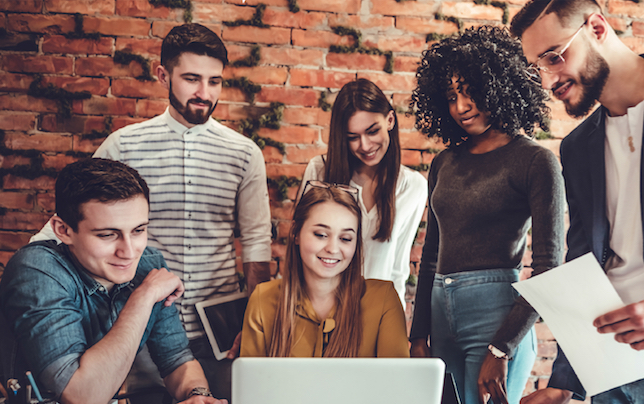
[
  {"x": 623, "y": 206},
  {"x": 387, "y": 260}
]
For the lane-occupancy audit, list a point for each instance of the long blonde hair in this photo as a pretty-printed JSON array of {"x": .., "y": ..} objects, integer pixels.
[{"x": 345, "y": 338}]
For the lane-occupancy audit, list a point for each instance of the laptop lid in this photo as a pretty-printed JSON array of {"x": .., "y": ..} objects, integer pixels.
[{"x": 337, "y": 380}]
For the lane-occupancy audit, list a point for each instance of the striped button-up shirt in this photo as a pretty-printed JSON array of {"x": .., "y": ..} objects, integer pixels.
[{"x": 205, "y": 182}]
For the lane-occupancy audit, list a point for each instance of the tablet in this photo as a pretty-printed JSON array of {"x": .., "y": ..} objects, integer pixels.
[{"x": 222, "y": 318}]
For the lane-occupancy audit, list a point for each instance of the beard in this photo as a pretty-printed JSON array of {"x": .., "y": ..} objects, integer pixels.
[
  {"x": 593, "y": 81},
  {"x": 196, "y": 116}
]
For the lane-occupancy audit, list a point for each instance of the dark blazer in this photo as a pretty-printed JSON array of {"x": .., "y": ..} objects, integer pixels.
[{"x": 582, "y": 157}]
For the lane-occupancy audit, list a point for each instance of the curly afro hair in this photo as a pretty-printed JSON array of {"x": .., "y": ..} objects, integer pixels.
[{"x": 492, "y": 64}]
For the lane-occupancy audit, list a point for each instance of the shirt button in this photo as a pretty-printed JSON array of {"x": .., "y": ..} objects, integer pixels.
[
  {"x": 449, "y": 281},
  {"x": 102, "y": 289},
  {"x": 189, "y": 182},
  {"x": 189, "y": 246}
]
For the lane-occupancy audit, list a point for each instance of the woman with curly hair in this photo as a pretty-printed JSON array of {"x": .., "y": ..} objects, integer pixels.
[
  {"x": 485, "y": 190},
  {"x": 364, "y": 152}
]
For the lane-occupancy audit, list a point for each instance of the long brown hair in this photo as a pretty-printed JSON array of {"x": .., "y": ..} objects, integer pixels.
[
  {"x": 345, "y": 339},
  {"x": 363, "y": 95}
]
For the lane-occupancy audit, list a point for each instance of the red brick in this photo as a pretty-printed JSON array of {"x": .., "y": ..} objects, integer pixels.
[
  {"x": 636, "y": 44},
  {"x": 119, "y": 122},
  {"x": 23, "y": 102},
  {"x": 143, "y": 8},
  {"x": 282, "y": 210},
  {"x": 36, "y": 64},
  {"x": 416, "y": 253},
  {"x": 106, "y": 106},
  {"x": 230, "y": 111},
  {"x": 320, "y": 78},
  {"x": 543, "y": 332},
  {"x": 233, "y": 94},
  {"x": 306, "y": 116},
  {"x": 21, "y": 6},
  {"x": 332, "y": 6},
  {"x": 392, "y": 7},
  {"x": 5, "y": 256},
  {"x": 83, "y": 7},
  {"x": 43, "y": 182},
  {"x": 404, "y": 43},
  {"x": 272, "y": 155},
  {"x": 425, "y": 25},
  {"x": 13, "y": 240},
  {"x": 138, "y": 89},
  {"x": 46, "y": 202},
  {"x": 221, "y": 12},
  {"x": 428, "y": 157},
  {"x": 542, "y": 367},
  {"x": 148, "y": 47},
  {"x": 291, "y": 57},
  {"x": 301, "y": 96},
  {"x": 23, "y": 220},
  {"x": 406, "y": 122},
  {"x": 116, "y": 26},
  {"x": 60, "y": 44},
  {"x": 406, "y": 64},
  {"x": 638, "y": 28},
  {"x": 547, "y": 349},
  {"x": 361, "y": 21},
  {"x": 14, "y": 121},
  {"x": 318, "y": 39},
  {"x": 298, "y": 154},
  {"x": 42, "y": 24},
  {"x": 259, "y": 74},
  {"x": 618, "y": 24},
  {"x": 292, "y": 134},
  {"x": 302, "y": 19},
  {"x": 279, "y": 3},
  {"x": 416, "y": 141},
  {"x": 471, "y": 11},
  {"x": 150, "y": 108},
  {"x": 355, "y": 61},
  {"x": 272, "y": 36},
  {"x": 284, "y": 229},
  {"x": 628, "y": 8},
  {"x": 410, "y": 157},
  {"x": 39, "y": 141},
  {"x": 161, "y": 28},
  {"x": 12, "y": 161},
  {"x": 15, "y": 82},
  {"x": 74, "y": 124},
  {"x": 86, "y": 145},
  {"x": 106, "y": 67},
  {"x": 58, "y": 161},
  {"x": 16, "y": 200},
  {"x": 277, "y": 250},
  {"x": 289, "y": 170},
  {"x": 96, "y": 86},
  {"x": 394, "y": 82}
]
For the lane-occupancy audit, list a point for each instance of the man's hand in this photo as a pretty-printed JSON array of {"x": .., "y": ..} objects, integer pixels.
[
  {"x": 204, "y": 400},
  {"x": 549, "y": 395},
  {"x": 419, "y": 348},
  {"x": 162, "y": 284},
  {"x": 233, "y": 352},
  {"x": 627, "y": 323},
  {"x": 493, "y": 379}
]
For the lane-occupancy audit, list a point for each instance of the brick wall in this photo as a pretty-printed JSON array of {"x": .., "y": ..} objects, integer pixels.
[{"x": 75, "y": 46}]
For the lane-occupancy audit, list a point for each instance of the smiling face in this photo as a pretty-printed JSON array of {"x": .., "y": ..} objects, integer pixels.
[
  {"x": 327, "y": 242},
  {"x": 195, "y": 85},
  {"x": 581, "y": 80},
  {"x": 464, "y": 110},
  {"x": 368, "y": 136},
  {"x": 110, "y": 238}
]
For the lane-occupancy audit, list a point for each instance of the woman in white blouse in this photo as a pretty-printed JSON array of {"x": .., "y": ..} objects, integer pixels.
[{"x": 364, "y": 152}]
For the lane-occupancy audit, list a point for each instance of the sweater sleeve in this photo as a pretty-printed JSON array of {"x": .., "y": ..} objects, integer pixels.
[
  {"x": 253, "y": 339},
  {"x": 392, "y": 333},
  {"x": 421, "y": 322},
  {"x": 545, "y": 193}
]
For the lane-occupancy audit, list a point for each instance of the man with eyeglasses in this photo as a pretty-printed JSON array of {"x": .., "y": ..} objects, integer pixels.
[{"x": 573, "y": 51}]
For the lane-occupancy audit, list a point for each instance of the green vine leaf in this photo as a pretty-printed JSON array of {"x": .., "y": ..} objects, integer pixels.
[
  {"x": 79, "y": 33},
  {"x": 292, "y": 6},
  {"x": 251, "y": 60},
  {"x": 186, "y": 5},
  {"x": 271, "y": 119},
  {"x": 124, "y": 58},
  {"x": 245, "y": 85},
  {"x": 63, "y": 97},
  {"x": 255, "y": 21},
  {"x": 283, "y": 183},
  {"x": 357, "y": 47},
  {"x": 322, "y": 102}
]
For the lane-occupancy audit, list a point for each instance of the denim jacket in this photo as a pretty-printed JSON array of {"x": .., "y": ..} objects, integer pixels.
[{"x": 58, "y": 311}]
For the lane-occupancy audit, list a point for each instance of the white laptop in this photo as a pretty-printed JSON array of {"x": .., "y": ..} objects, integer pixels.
[{"x": 337, "y": 380}]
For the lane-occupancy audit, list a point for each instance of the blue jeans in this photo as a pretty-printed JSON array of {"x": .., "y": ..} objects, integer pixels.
[
  {"x": 632, "y": 393},
  {"x": 467, "y": 310}
]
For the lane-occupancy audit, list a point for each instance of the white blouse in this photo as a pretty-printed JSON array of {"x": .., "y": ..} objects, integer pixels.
[{"x": 388, "y": 260}]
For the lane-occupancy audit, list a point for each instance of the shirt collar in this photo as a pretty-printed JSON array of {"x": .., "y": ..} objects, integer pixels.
[{"x": 180, "y": 128}]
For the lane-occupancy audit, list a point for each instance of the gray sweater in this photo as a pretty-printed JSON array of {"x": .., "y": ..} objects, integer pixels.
[{"x": 481, "y": 206}]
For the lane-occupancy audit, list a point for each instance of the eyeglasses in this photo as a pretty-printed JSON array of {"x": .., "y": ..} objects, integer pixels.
[
  {"x": 551, "y": 61},
  {"x": 321, "y": 184}
]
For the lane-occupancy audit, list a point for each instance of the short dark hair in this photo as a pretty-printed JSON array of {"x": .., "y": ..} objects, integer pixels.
[
  {"x": 95, "y": 179},
  {"x": 492, "y": 64},
  {"x": 193, "y": 38},
  {"x": 565, "y": 10}
]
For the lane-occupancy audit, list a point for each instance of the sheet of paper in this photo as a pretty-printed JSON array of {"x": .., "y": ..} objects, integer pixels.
[{"x": 569, "y": 298}]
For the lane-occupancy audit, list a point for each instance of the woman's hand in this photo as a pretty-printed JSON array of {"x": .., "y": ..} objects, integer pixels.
[
  {"x": 419, "y": 348},
  {"x": 493, "y": 380}
]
